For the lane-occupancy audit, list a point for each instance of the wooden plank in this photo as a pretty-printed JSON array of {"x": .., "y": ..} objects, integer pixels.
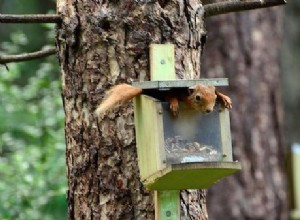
[
  {"x": 191, "y": 175},
  {"x": 226, "y": 135},
  {"x": 296, "y": 174},
  {"x": 179, "y": 83},
  {"x": 295, "y": 214},
  {"x": 162, "y": 62},
  {"x": 149, "y": 135},
  {"x": 166, "y": 204},
  {"x": 162, "y": 67}
]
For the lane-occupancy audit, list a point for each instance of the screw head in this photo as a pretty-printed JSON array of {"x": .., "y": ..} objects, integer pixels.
[
  {"x": 168, "y": 213},
  {"x": 163, "y": 61}
]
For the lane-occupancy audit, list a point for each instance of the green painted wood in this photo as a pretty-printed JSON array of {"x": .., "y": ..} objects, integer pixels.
[
  {"x": 296, "y": 174},
  {"x": 295, "y": 214},
  {"x": 168, "y": 202},
  {"x": 191, "y": 175},
  {"x": 149, "y": 135},
  {"x": 162, "y": 62},
  {"x": 162, "y": 67},
  {"x": 295, "y": 159},
  {"x": 225, "y": 135}
]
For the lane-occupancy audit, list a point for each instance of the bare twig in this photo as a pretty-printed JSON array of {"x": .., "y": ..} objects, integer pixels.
[
  {"x": 36, "y": 18},
  {"x": 235, "y": 6},
  {"x": 27, "y": 56}
]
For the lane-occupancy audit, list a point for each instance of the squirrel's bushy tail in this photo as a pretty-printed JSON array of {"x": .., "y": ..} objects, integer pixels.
[{"x": 116, "y": 96}]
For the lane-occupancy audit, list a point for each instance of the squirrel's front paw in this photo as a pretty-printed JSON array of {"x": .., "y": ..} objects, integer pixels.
[
  {"x": 174, "y": 107},
  {"x": 227, "y": 102}
]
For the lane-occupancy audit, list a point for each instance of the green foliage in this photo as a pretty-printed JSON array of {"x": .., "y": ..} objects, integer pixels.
[{"x": 32, "y": 147}]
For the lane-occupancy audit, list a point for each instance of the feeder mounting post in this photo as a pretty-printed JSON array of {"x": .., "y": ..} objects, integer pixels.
[{"x": 162, "y": 67}]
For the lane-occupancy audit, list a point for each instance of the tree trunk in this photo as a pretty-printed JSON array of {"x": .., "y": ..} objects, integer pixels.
[
  {"x": 245, "y": 48},
  {"x": 103, "y": 43}
]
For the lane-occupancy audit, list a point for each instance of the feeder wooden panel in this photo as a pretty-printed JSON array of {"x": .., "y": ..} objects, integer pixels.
[{"x": 294, "y": 158}]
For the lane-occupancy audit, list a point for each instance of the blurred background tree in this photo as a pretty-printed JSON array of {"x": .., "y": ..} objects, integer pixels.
[
  {"x": 290, "y": 58},
  {"x": 32, "y": 148},
  {"x": 245, "y": 47}
]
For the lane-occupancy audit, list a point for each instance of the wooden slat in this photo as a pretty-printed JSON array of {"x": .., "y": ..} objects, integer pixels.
[
  {"x": 226, "y": 135},
  {"x": 191, "y": 175},
  {"x": 162, "y": 67},
  {"x": 162, "y": 62},
  {"x": 165, "y": 84},
  {"x": 149, "y": 135},
  {"x": 166, "y": 205},
  {"x": 295, "y": 154}
]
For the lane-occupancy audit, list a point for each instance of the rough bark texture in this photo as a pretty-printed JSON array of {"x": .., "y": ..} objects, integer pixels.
[
  {"x": 102, "y": 43},
  {"x": 245, "y": 48}
]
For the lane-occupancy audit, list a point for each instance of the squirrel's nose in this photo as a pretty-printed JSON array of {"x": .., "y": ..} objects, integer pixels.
[{"x": 208, "y": 110}]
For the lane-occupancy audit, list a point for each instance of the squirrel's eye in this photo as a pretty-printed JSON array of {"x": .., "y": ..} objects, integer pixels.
[
  {"x": 190, "y": 91},
  {"x": 198, "y": 98}
]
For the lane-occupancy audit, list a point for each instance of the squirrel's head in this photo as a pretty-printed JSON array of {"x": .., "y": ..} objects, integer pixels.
[{"x": 202, "y": 98}]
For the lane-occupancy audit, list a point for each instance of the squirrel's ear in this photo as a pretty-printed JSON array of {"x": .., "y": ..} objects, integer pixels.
[{"x": 191, "y": 89}]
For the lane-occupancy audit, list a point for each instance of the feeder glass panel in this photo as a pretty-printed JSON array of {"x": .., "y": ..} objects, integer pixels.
[{"x": 191, "y": 136}]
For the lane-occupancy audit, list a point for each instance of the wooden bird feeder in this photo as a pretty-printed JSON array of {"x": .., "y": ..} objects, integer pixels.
[{"x": 190, "y": 151}]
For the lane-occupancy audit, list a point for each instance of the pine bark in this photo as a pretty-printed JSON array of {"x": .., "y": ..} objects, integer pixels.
[
  {"x": 103, "y": 43},
  {"x": 245, "y": 48}
]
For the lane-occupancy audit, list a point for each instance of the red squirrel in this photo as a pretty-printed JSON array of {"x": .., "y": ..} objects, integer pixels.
[{"x": 200, "y": 97}]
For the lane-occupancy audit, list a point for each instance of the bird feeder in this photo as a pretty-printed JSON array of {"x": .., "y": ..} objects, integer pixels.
[{"x": 190, "y": 151}]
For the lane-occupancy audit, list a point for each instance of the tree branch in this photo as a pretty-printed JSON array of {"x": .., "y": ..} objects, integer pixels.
[
  {"x": 37, "y": 18},
  {"x": 235, "y": 6},
  {"x": 27, "y": 56}
]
